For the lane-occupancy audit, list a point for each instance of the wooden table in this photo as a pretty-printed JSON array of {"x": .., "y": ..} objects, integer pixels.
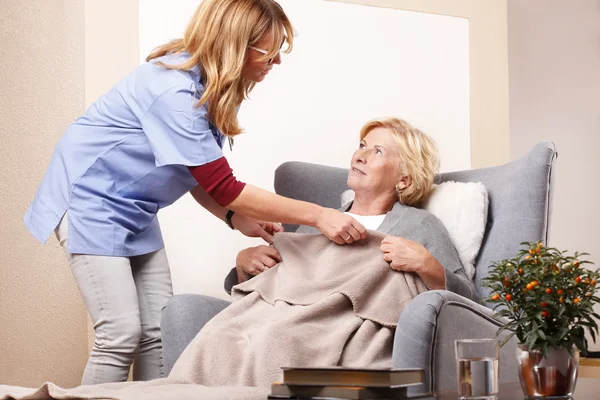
[
  {"x": 589, "y": 367},
  {"x": 587, "y": 388}
]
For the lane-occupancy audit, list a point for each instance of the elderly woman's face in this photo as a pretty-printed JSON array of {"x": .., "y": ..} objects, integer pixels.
[{"x": 376, "y": 163}]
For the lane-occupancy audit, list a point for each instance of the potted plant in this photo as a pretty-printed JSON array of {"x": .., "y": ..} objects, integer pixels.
[{"x": 547, "y": 297}]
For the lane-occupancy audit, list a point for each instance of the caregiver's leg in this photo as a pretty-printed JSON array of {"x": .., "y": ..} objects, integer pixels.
[
  {"x": 108, "y": 290},
  {"x": 153, "y": 281}
]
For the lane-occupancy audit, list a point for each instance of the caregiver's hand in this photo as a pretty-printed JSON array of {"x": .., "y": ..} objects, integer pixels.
[
  {"x": 254, "y": 260},
  {"x": 253, "y": 228},
  {"x": 339, "y": 227}
]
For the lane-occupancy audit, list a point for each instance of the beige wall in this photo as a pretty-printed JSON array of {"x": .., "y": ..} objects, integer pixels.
[
  {"x": 488, "y": 69},
  {"x": 59, "y": 56},
  {"x": 42, "y": 80},
  {"x": 554, "y": 70}
]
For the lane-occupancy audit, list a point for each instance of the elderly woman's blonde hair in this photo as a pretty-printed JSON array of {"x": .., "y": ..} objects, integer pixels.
[
  {"x": 419, "y": 158},
  {"x": 217, "y": 38}
]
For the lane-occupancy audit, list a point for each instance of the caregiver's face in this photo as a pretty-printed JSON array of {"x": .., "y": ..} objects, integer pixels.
[
  {"x": 375, "y": 164},
  {"x": 254, "y": 69}
]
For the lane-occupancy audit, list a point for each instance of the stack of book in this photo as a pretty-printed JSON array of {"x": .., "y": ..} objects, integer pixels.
[{"x": 346, "y": 383}]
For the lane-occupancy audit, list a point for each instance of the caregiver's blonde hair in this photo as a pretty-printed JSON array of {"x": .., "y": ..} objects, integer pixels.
[
  {"x": 217, "y": 38},
  {"x": 419, "y": 158}
]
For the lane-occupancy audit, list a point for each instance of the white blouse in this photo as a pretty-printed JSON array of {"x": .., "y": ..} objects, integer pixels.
[{"x": 371, "y": 222}]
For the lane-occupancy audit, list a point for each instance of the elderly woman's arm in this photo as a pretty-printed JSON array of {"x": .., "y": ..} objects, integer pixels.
[
  {"x": 435, "y": 276},
  {"x": 409, "y": 256},
  {"x": 432, "y": 255},
  {"x": 432, "y": 272}
]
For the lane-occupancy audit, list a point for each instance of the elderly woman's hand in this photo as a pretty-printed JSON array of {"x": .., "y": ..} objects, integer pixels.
[
  {"x": 408, "y": 256},
  {"x": 404, "y": 254},
  {"x": 254, "y": 260}
]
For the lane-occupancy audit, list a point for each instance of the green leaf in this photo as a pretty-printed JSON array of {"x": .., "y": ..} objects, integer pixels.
[
  {"x": 561, "y": 310},
  {"x": 500, "y": 330},
  {"x": 579, "y": 343},
  {"x": 507, "y": 339},
  {"x": 585, "y": 323},
  {"x": 591, "y": 321},
  {"x": 545, "y": 349},
  {"x": 531, "y": 342},
  {"x": 541, "y": 334},
  {"x": 538, "y": 315},
  {"x": 562, "y": 332}
]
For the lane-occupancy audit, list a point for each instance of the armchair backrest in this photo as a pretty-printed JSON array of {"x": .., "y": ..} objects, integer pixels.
[{"x": 519, "y": 199}]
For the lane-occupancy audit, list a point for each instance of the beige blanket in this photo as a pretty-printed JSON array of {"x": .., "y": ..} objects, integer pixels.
[
  {"x": 159, "y": 389},
  {"x": 324, "y": 305}
]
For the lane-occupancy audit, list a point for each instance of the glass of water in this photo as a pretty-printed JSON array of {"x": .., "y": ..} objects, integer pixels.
[{"x": 477, "y": 368}]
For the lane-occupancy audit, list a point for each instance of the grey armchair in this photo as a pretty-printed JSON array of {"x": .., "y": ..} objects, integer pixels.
[{"x": 519, "y": 210}]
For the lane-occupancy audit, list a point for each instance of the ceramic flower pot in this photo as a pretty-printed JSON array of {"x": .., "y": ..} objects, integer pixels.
[{"x": 553, "y": 376}]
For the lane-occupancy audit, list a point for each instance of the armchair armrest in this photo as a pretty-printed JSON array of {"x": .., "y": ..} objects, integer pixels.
[
  {"x": 182, "y": 318},
  {"x": 426, "y": 332}
]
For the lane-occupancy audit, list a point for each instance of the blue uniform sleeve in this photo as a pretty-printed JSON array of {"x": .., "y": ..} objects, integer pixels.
[{"x": 178, "y": 131}]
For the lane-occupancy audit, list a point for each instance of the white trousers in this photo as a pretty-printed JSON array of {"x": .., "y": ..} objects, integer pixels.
[{"x": 124, "y": 296}]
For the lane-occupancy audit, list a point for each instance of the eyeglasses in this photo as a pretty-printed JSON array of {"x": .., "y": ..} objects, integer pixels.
[{"x": 265, "y": 52}]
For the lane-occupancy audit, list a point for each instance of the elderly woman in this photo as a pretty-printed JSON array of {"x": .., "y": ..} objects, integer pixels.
[
  {"x": 391, "y": 173},
  {"x": 313, "y": 302}
]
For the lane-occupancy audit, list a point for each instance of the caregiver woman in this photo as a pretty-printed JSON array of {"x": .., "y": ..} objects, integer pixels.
[{"x": 152, "y": 138}]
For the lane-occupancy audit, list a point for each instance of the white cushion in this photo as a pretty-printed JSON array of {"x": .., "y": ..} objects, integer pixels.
[{"x": 462, "y": 207}]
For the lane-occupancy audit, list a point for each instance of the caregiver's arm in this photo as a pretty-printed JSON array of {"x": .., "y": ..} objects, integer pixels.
[
  {"x": 257, "y": 203},
  {"x": 247, "y": 226},
  {"x": 206, "y": 201},
  {"x": 218, "y": 181}
]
